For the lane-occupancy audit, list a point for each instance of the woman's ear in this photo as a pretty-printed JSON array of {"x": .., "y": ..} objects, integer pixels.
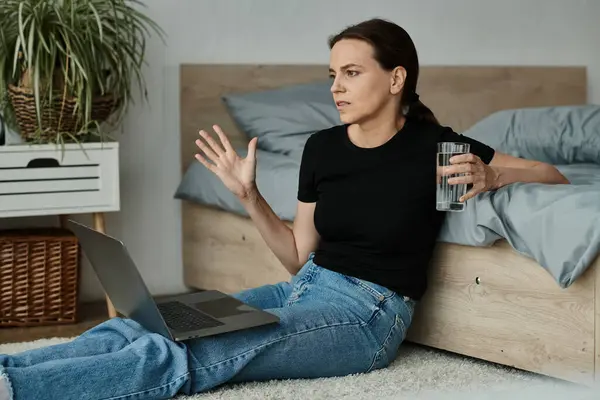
[{"x": 397, "y": 80}]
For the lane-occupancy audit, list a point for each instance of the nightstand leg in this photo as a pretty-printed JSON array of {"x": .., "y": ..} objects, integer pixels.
[
  {"x": 100, "y": 227},
  {"x": 63, "y": 218}
]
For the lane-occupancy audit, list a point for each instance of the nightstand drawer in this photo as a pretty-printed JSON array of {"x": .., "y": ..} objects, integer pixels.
[{"x": 48, "y": 179}]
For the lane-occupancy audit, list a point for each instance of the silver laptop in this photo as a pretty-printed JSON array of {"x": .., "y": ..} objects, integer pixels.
[{"x": 178, "y": 317}]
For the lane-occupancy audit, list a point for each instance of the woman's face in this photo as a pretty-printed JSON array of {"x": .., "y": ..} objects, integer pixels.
[{"x": 361, "y": 89}]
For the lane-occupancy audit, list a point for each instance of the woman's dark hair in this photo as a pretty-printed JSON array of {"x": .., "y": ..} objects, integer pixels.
[{"x": 393, "y": 48}]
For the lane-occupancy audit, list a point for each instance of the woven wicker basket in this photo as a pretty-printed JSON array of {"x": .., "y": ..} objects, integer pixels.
[
  {"x": 62, "y": 117},
  {"x": 38, "y": 277}
]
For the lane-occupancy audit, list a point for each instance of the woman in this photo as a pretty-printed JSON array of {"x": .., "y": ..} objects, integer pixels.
[{"x": 365, "y": 230}]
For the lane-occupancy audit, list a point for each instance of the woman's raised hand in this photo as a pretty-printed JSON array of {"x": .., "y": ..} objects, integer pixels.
[{"x": 237, "y": 174}]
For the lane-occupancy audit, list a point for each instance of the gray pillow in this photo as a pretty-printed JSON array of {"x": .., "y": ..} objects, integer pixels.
[
  {"x": 556, "y": 135},
  {"x": 276, "y": 178},
  {"x": 285, "y": 117}
]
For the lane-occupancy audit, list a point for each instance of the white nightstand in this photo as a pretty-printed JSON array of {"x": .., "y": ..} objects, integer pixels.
[{"x": 60, "y": 180}]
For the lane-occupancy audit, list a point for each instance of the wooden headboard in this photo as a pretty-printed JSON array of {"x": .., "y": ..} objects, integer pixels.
[{"x": 458, "y": 95}]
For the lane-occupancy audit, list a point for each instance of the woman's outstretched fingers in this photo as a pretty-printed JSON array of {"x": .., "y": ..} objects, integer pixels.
[
  {"x": 224, "y": 140},
  {"x": 208, "y": 152},
  {"x": 203, "y": 161},
  {"x": 211, "y": 142}
]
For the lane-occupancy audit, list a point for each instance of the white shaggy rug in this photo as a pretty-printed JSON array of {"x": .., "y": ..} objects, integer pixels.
[{"x": 417, "y": 373}]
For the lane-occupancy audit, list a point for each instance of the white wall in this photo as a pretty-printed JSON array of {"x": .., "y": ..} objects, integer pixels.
[{"x": 457, "y": 32}]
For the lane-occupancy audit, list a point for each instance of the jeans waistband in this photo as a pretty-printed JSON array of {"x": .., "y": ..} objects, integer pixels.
[{"x": 375, "y": 289}]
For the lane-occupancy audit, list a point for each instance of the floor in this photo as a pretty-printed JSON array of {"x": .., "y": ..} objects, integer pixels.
[
  {"x": 417, "y": 373},
  {"x": 90, "y": 314}
]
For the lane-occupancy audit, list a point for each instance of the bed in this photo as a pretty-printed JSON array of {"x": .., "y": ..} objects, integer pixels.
[{"x": 489, "y": 302}]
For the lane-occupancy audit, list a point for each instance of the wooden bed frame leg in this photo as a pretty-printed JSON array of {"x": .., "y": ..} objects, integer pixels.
[{"x": 100, "y": 226}]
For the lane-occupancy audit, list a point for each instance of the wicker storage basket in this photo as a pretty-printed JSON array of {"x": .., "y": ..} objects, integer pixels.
[
  {"x": 61, "y": 118},
  {"x": 39, "y": 277}
]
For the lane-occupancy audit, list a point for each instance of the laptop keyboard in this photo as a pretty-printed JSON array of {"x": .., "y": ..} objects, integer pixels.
[{"x": 181, "y": 317}]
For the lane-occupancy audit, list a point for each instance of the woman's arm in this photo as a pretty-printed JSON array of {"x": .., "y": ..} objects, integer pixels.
[
  {"x": 502, "y": 170},
  {"x": 291, "y": 246},
  {"x": 509, "y": 169}
]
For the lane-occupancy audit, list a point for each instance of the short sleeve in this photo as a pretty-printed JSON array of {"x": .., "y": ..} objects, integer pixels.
[
  {"x": 307, "y": 191},
  {"x": 481, "y": 150}
]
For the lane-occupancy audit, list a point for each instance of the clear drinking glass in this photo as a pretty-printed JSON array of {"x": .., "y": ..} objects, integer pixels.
[{"x": 448, "y": 195}]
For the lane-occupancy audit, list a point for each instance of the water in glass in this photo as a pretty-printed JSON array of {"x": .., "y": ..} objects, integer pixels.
[{"x": 448, "y": 195}]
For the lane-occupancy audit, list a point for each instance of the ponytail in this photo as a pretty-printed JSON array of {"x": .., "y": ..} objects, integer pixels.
[{"x": 419, "y": 111}]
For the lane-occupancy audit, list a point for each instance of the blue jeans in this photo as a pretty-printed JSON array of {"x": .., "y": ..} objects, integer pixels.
[{"x": 331, "y": 325}]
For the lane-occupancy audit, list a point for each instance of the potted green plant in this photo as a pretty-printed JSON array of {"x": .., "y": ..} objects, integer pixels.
[{"x": 68, "y": 67}]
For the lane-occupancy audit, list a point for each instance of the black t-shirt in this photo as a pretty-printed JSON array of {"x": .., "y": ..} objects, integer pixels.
[{"x": 375, "y": 208}]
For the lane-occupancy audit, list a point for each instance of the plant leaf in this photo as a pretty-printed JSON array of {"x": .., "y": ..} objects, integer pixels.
[{"x": 98, "y": 21}]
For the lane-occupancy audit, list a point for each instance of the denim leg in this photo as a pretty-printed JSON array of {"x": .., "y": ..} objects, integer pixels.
[
  {"x": 328, "y": 327},
  {"x": 107, "y": 337},
  {"x": 115, "y": 334},
  {"x": 120, "y": 343},
  {"x": 266, "y": 296},
  {"x": 112, "y": 361},
  {"x": 313, "y": 340}
]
